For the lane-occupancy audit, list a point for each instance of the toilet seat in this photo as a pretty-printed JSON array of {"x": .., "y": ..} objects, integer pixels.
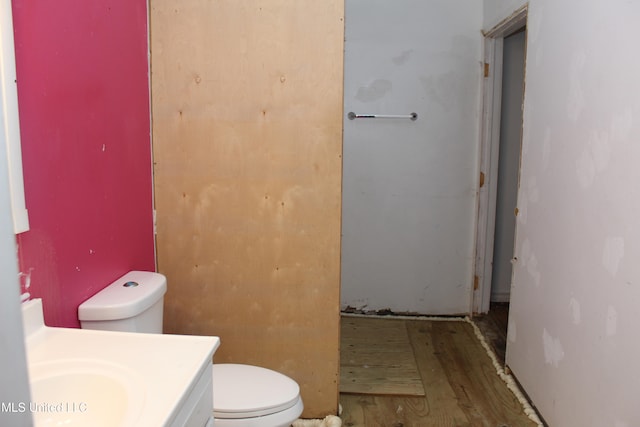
[{"x": 245, "y": 391}]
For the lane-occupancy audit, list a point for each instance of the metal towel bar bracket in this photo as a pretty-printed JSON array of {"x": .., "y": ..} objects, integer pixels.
[{"x": 353, "y": 116}]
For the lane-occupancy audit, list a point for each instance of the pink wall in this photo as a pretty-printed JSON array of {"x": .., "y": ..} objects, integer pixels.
[{"x": 83, "y": 94}]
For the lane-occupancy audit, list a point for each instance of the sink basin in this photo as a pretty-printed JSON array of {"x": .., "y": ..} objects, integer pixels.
[
  {"x": 84, "y": 392},
  {"x": 81, "y": 377}
]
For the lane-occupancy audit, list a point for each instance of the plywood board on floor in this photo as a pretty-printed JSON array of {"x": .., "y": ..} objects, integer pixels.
[{"x": 376, "y": 357}]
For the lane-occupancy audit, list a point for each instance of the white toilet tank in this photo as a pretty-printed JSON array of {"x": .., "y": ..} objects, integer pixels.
[{"x": 133, "y": 303}]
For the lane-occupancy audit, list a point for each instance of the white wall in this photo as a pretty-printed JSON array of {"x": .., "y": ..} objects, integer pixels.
[
  {"x": 14, "y": 388},
  {"x": 495, "y": 11},
  {"x": 574, "y": 326},
  {"x": 409, "y": 188}
]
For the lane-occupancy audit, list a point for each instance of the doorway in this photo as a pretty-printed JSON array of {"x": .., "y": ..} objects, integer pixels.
[
  {"x": 505, "y": 48},
  {"x": 508, "y": 164}
]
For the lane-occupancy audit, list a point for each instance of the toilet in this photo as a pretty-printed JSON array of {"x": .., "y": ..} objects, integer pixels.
[{"x": 243, "y": 395}]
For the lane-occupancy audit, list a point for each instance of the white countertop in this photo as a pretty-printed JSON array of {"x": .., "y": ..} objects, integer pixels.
[{"x": 167, "y": 366}]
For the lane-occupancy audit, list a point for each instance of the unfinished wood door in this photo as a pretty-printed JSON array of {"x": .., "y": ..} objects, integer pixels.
[{"x": 247, "y": 142}]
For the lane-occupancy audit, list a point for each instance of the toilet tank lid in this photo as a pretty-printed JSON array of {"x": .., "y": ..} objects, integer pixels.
[{"x": 128, "y": 296}]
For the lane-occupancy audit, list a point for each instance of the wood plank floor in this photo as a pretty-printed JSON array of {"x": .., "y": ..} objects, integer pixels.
[
  {"x": 459, "y": 378},
  {"x": 494, "y": 328}
]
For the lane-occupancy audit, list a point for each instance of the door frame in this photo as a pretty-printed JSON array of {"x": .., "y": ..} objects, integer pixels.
[{"x": 489, "y": 152}]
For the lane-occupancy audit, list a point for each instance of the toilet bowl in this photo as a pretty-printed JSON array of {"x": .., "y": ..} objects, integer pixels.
[
  {"x": 251, "y": 396},
  {"x": 244, "y": 395}
]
